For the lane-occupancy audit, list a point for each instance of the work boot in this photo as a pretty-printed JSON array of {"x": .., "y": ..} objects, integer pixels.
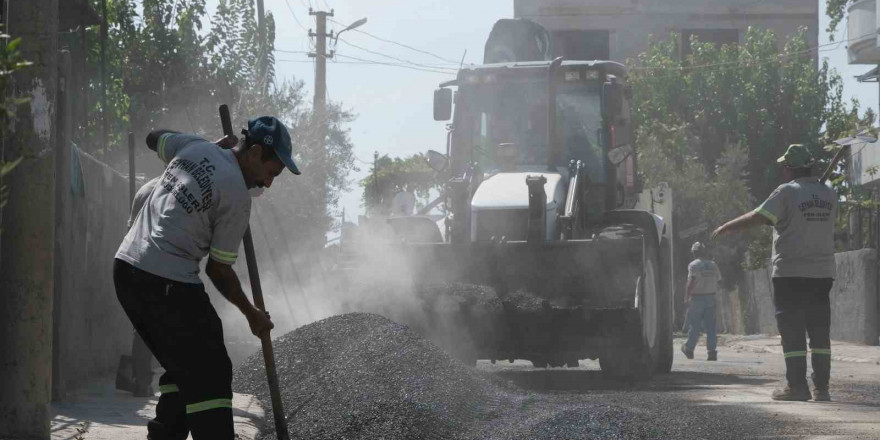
[
  {"x": 792, "y": 394},
  {"x": 687, "y": 353},
  {"x": 821, "y": 394},
  {"x": 713, "y": 356}
]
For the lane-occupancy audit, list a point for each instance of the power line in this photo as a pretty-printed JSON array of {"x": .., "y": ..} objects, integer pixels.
[
  {"x": 731, "y": 65},
  {"x": 361, "y": 160},
  {"x": 402, "y": 45},
  {"x": 429, "y": 66},
  {"x": 405, "y": 66},
  {"x": 749, "y": 63},
  {"x": 287, "y": 2}
]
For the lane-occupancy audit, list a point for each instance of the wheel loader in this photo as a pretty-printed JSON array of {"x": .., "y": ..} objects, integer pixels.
[{"x": 543, "y": 197}]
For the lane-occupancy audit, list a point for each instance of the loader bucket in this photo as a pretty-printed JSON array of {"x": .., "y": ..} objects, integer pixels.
[{"x": 553, "y": 302}]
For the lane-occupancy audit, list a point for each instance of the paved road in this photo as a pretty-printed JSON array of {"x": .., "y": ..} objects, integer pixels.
[
  {"x": 699, "y": 399},
  {"x": 107, "y": 414},
  {"x": 728, "y": 399}
]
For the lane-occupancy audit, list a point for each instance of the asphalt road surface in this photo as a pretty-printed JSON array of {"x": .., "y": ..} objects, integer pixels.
[{"x": 727, "y": 399}]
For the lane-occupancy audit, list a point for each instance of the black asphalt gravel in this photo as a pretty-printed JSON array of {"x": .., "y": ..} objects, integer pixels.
[{"x": 362, "y": 376}]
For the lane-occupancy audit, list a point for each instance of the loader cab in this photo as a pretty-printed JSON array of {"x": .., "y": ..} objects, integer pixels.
[{"x": 501, "y": 124}]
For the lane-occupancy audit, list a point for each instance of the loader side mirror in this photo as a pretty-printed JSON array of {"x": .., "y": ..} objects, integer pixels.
[
  {"x": 619, "y": 154},
  {"x": 437, "y": 161},
  {"x": 613, "y": 94},
  {"x": 442, "y": 104}
]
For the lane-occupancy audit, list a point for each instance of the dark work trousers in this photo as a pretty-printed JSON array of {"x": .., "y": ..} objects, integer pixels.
[
  {"x": 181, "y": 328},
  {"x": 803, "y": 308},
  {"x": 141, "y": 360}
]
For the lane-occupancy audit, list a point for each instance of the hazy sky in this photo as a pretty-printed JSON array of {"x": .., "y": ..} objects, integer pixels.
[{"x": 393, "y": 104}]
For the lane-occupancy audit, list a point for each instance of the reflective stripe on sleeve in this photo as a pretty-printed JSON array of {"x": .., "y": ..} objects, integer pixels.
[
  {"x": 208, "y": 405},
  {"x": 824, "y": 351},
  {"x": 792, "y": 354},
  {"x": 161, "y": 149},
  {"x": 223, "y": 256},
  {"x": 767, "y": 214},
  {"x": 168, "y": 388}
]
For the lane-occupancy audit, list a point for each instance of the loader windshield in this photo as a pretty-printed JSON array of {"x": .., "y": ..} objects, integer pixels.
[{"x": 515, "y": 112}]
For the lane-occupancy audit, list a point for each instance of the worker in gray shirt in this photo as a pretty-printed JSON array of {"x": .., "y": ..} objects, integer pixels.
[
  {"x": 200, "y": 208},
  {"x": 802, "y": 213},
  {"x": 702, "y": 284},
  {"x": 140, "y": 383}
]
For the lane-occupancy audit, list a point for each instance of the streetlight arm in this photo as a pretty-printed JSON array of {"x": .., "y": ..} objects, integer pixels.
[{"x": 354, "y": 25}]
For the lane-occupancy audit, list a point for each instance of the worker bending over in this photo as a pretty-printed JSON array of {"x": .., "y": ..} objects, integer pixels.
[
  {"x": 803, "y": 213},
  {"x": 200, "y": 207}
]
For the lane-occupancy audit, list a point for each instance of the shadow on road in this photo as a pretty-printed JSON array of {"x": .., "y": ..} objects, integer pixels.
[{"x": 591, "y": 380}]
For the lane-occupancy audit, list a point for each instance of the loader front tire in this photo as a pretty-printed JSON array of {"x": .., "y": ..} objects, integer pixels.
[
  {"x": 641, "y": 361},
  {"x": 664, "y": 360}
]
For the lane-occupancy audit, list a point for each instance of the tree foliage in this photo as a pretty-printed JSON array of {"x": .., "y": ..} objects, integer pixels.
[
  {"x": 391, "y": 175},
  {"x": 169, "y": 65},
  {"x": 11, "y": 61},
  {"x": 713, "y": 123},
  {"x": 836, "y": 10}
]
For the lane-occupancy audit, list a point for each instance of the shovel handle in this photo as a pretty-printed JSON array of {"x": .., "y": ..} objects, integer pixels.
[{"x": 833, "y": 164}]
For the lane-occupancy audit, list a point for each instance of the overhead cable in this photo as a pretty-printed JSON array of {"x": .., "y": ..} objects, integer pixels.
[
  {"x": 751, "y": 63},
  {"x": 385, "y": 40},
  {"x": 405, "y": 66},
  {"x": 293, "y": 14},
  {"x": 429, "y": 66}
]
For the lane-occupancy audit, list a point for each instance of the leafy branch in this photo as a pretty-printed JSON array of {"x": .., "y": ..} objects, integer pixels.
[{"x": 11, "y": 61}]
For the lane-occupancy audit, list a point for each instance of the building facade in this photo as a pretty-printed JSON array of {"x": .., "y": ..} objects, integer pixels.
[{"x": 622, "y": 29}]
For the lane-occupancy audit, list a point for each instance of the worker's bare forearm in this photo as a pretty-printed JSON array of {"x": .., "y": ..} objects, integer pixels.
[
  {"x": 153, "y": 138},
  {"x": 746, "y": 221},
  {"x": 689, "y": 290},
  {"x": 226, "y": 281}
]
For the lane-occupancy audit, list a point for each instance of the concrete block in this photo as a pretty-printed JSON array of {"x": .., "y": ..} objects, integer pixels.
[{"x": 854, "y": 298}]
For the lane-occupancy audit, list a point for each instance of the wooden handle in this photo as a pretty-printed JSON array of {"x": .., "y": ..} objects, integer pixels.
[
  {"x": 225, "y": 120},
  {"x": 833, "y": 163}
]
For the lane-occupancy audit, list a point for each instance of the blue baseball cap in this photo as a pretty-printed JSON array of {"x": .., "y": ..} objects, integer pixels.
[{"x": 270, "y": 132}]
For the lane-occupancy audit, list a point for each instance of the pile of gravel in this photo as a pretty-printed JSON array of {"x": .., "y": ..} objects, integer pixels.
[{"x": 361, "y": 376}]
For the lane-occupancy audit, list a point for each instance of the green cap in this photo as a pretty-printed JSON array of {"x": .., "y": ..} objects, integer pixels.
[{"x": 796, "y": 156}]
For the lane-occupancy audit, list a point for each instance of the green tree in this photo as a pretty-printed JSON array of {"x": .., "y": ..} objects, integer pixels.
[
  {"x": 10, "y": 62},
  {"x": 711, "y": 124},
  {"x": 170, "y": 66},
  {"x": 410, "y": 173},
  {"x": 836, "y": 10}
]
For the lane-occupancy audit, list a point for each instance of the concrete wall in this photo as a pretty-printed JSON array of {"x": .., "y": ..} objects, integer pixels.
[
  {"x": 632, "y": 23},
  {"x": 92, "y": 330},
  {"x": 854, "y": 314},
  {"x": 854, "y": 299}
]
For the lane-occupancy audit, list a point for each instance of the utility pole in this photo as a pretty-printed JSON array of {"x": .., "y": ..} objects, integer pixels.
[
  {"x": 377, "y": 195},
  {"x": 320, "y": 54},
  {"x": 262, "y": 81},
  {"x": 320, "y": 102},
  {"x": 28, "y": 235},
  {"x": 104, "y": 75}
]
